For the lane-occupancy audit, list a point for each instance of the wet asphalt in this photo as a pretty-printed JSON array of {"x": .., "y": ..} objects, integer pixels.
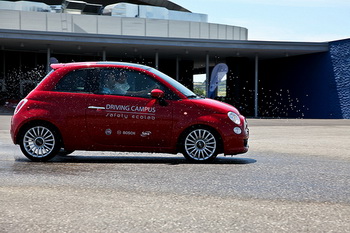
[{"x": 295, "y": 178}]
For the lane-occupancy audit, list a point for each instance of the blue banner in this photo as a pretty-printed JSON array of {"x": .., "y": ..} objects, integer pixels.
[{"x": 219, "y": 71}]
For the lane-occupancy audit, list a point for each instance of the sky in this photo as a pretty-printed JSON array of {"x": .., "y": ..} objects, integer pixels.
[{"x": 279, "y": 20}]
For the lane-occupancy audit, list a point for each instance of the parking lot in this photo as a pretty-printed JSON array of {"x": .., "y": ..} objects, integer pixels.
[{"x": 295, "y": 178}]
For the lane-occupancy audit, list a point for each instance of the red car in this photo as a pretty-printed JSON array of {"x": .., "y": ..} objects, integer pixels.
[{"x": 113, "y": 106}]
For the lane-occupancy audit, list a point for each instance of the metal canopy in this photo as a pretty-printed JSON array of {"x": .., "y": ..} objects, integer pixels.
[
  {"x": 92, "y": 44},
  {"x": 161, "y": 3}
]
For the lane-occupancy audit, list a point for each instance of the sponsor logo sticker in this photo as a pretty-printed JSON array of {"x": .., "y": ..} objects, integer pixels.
[
  {"x": 108, "y": 131},
  {"x": 146, "y": 133}
]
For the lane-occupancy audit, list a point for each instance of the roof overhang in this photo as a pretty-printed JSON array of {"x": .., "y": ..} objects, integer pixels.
[
  {"x": 167, "y": 48},
  {"x": 160, "y": 3}
]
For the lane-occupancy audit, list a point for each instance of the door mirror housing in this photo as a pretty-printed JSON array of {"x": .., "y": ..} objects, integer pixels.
[{"x": 157, "y": 94}]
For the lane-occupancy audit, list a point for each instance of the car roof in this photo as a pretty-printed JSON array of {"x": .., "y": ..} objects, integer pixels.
[{"x": 98, "y": 63}]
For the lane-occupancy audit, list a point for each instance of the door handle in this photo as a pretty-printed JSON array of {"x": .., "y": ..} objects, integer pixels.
[{"x": 96, "y": 107}]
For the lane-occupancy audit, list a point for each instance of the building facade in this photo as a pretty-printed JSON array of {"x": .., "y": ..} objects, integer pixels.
[{"x": 265, "y": 79}]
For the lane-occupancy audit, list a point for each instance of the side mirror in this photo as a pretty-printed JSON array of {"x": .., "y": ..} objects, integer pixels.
[{"x": 157, "y": 94}]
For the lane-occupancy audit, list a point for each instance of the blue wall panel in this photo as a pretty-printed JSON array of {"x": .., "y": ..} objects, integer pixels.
[
  {"x": 309, "y": 86},
  {"x": 340, "y": 61}
]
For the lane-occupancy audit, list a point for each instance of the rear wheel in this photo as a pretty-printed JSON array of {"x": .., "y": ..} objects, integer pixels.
[
  {"x": 200, "y": 145},
  {"x": 40, "y": 142}
]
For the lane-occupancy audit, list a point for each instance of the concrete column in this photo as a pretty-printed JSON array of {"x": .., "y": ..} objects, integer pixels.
[
  {"x": 157, "y": 60},
  {"x": 256, "y": 93},
  {"x": 3, "y": 64},
  {"x": 2, "y": 79},
  {"x": 177, "y": 68},
  {"x": 207, "y": 74},
  {"x": 20, "y": 61},
  {"x": 48, "y": 55},
  {"x": 104, "y": 54}
]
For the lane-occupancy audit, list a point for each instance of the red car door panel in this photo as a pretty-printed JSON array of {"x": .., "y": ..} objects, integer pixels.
[{"x": 128, "y": 121}]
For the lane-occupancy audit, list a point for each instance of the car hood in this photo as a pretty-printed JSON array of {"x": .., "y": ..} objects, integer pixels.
[{"x": 214, "y": 106}]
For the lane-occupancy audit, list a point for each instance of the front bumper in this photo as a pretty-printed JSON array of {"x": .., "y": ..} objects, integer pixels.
[{"x": 237, "y": 143}]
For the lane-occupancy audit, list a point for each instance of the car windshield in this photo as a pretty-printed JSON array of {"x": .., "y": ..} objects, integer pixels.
[{"x": 184, "y": 90}]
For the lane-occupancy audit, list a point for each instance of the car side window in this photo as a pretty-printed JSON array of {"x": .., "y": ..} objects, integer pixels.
[
  {"x": 141, "y": 84},
  {"x": 112, "y": 82},
  {"x": 128, "y": 82},
  {"x": 74, "y": 81}
]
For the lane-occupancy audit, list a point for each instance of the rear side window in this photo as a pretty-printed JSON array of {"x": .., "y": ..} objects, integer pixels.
[{"x": 77, "y": 81}]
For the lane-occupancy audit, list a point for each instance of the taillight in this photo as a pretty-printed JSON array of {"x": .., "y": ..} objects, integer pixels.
[{"x": 20, "y": 105}]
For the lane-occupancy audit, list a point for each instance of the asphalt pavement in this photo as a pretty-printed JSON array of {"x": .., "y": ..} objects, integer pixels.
[{"x": 295, "y": 178}]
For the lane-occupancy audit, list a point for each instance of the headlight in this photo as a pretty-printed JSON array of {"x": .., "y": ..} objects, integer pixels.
[
  {"x": 234, "y": 117},
  {"x": 237, "y": 130}
]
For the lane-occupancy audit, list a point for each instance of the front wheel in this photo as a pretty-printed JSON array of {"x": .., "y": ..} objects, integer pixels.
[
  {"x": 40, "y": 143},
  {"x": 200, "y": 145},
  {"x": 64, "y": 152}
]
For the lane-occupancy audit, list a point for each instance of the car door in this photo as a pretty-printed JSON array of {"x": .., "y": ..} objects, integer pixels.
[
  {"x": 129, "y": 120},
  {"x": 67, "y": 102}
]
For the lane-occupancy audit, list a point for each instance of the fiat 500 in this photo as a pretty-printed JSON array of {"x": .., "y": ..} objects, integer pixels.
[{"x": 113, "y": 106}]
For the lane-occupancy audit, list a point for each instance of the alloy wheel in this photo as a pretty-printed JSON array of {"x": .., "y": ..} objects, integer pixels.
[
  {"x": 200, "y": 144},
  {"x": 39, "y": 141}
]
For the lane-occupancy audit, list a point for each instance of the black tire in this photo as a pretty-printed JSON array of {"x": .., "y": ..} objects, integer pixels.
[
  {"x": 40, "y": 142},
  {"x": 64, "y": 152},
  {"x": 200, "y": 145}
]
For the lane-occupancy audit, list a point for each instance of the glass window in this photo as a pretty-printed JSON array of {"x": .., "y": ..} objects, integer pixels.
[
  {"x": 79, "y": 81},
  {"x": 222, "y": 92},
  {"x": 73, "y": 82},
  {"x": 130, "y": 83},
  {"x": 113, "y": 82},
  {"x": 142, "y": 84},
  {"x": 184, "y": 90}
]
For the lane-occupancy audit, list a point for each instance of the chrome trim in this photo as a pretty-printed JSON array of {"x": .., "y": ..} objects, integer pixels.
[{"x": 96, "y": 107}]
